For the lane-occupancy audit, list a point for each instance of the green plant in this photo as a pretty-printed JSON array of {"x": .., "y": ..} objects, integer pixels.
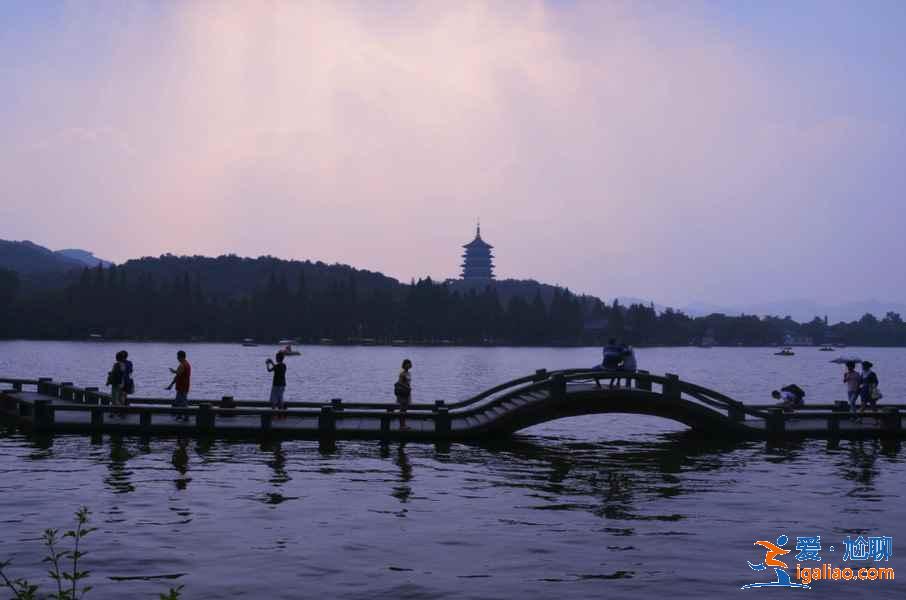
[{"x": 64, "y": 566}]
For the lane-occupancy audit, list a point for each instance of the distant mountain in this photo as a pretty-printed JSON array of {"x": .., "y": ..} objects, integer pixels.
[
  {"x": 802, "y": 310},
  {"x": 28, "y": 258},
  {"x": 87, "y": 259}
]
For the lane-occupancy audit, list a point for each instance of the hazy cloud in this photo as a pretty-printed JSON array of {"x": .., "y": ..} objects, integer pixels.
[{"x": 609, "y": 147}]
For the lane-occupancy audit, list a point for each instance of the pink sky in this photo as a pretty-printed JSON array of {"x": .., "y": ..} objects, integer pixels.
[{"x": 614, "y": 149}]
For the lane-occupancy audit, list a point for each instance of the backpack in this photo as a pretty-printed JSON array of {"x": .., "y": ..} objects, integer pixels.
[
  {"x": 401, "y": 390},
  {"x": 128, "y": 382},
  {"x": 795, "y": 390},
  {"x": 115, "y": 376}
]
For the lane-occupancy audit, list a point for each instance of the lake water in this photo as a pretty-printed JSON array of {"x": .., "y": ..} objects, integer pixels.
[{"x": 603, "y": 506}]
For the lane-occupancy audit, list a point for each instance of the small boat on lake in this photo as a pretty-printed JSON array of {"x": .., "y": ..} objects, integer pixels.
[
  {"x": 287, "y": 350},
  {"x": 249, "y": 343},
  {"x": 826, "y": 349},
  {"x": 785, "y": 352}
]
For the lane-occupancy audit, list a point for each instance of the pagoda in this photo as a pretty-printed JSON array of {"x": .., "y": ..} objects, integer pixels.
[{"x": 478, "y": 262}]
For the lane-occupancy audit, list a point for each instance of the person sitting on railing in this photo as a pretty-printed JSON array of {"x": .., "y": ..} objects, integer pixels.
[
  {"x": 630, "y": 364},
  {"x": 611, "y": 360},
  {"x": 791, "y": 396}
]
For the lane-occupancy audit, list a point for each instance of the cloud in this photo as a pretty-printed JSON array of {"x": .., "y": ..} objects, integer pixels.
[{"x": 599, "y": 142}]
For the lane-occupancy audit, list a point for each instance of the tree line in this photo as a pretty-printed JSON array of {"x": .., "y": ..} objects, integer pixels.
[{"x": 230, "y": 298}]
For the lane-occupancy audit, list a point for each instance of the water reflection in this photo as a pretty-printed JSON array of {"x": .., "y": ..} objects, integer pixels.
[
  {"x": 403, "y": 491},
  {"x": 119, "y": 477},
  {"x": 861, "y": 469},
  {"x": 277, "y": 462},
  {"x": 180, "y": 461}
]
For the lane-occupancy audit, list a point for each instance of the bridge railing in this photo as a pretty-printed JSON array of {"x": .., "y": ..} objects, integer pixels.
[
  {"x": 540, "y": 380},
  {"x": 671, "y": 385}
]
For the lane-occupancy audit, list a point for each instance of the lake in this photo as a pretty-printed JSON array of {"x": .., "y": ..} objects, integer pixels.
[{"x": 600, "y": 506}]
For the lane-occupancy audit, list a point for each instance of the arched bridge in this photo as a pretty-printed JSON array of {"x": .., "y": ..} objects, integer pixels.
[{"x": 496, "y": 412}]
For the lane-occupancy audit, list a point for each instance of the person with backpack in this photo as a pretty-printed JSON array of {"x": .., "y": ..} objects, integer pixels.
[
  {"x": 128, "y": 381},
  {"x": 116, "y": 379},
  {"x": 402, "y": 389},
  {"x": 790, "y": 396},
  {"x": 868, "y": 387}
]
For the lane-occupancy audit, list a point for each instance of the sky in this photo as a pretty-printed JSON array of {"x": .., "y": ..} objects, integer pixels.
[{"x": 701, "y": 151}]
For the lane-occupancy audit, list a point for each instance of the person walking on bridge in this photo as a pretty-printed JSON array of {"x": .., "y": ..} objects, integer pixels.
[
  {"x": 402, "y": 389},
  {"x": 182, "y": 377},
  {"x": 853, "y": 381},
  {"x": 868, "y": 386}
]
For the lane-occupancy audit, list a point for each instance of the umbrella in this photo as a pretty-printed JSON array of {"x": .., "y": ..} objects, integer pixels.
[{"x": 842, "y": 360}]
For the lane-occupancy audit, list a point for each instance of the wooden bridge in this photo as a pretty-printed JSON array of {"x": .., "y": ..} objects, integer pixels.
[{"x": 45, "y": 405}]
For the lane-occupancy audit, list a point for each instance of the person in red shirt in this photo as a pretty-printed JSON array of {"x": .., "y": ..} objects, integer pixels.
[{"x": 182, "y": 376}]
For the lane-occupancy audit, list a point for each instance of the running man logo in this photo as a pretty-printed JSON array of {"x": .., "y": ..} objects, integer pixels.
[{"x": 772, "y": 551}]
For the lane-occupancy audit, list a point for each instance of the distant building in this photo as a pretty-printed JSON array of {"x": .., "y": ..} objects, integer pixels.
[{"x": 478, "y": 264}]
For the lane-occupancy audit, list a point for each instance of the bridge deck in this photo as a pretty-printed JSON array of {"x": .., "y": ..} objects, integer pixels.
[{"x": 498, "y": 412}]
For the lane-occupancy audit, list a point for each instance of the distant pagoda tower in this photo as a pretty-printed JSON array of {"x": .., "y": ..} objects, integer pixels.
[{"x": 478, "y": 264}]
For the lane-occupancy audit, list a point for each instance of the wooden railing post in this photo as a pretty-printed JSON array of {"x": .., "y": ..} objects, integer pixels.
[
  {"x": 641, "y": 380},
  {"x": 42, "y": 384},
  {"x": 144, "y": 419},
  {"x": 385, "y": 421},
  {"x": 204, "y": 418},
  {"x": 92, "y": 396},
  {"x": 671, "y": 387},
  {"x": 840, "y": 410},
  {"x": 66, "y": 391},
  {"x": 892, "y": 421},
  {"x": 42, "y": 415},
  {"x": 558, "y": 386},
  {"x": 97, "y": 417},
  {"x": 52, "y": 389},
  {"x": 441, "y": 418},
  {"x": 736, "y": 413},
  {"x": 337, "y": 404},
  {"x": 327, "y": 420},
  {"x": 775, "y": 422},
  {"x": 266, "y": 421},
  {"x": 17, "y": 386},
  {"x": 540, "y": 375}
]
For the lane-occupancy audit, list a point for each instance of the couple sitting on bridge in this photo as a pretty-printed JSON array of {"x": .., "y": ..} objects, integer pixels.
[{"x": 617, "y": 357}]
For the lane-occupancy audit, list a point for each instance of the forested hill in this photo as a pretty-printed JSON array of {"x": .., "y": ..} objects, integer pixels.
[{"x": 229, "y": 298}]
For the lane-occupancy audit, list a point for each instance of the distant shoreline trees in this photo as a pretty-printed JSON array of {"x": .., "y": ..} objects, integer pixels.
[{"x": 230, "y": 298}]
